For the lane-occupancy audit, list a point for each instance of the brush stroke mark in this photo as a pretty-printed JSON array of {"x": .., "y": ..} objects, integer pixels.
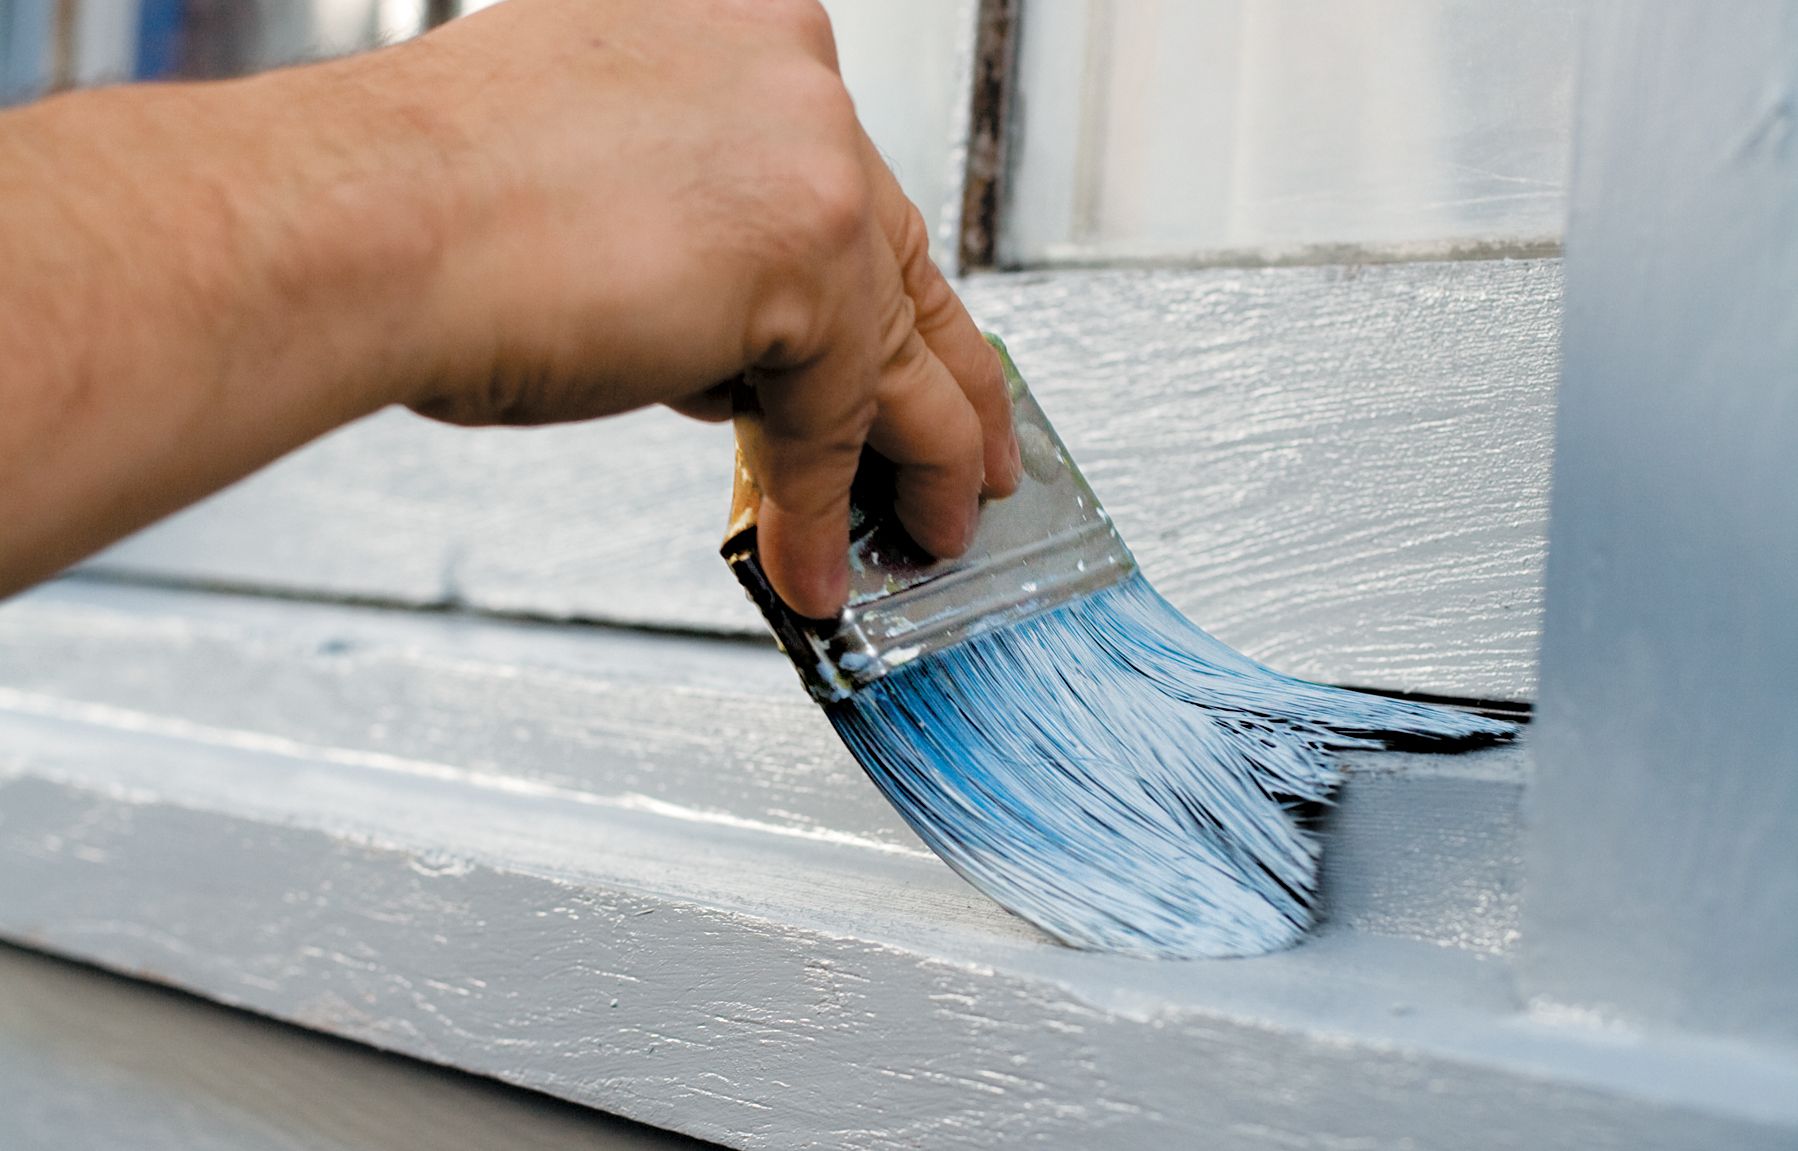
[{"x": 1123, "y": 780}]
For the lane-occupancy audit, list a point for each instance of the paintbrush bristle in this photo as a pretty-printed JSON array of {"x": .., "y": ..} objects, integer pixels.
[
  {"x": 1063, "y": 737},
  {"x": 1120, "y": 778}
]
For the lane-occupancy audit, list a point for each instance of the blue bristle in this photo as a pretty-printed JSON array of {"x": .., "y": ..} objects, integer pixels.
[{"x": 1118, "y": 777}]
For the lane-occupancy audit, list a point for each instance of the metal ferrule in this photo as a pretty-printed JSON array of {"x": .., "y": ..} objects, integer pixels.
[{"x": 1049, "y": 543}]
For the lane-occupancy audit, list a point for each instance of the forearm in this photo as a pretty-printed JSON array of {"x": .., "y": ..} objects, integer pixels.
[
  {"x": 549, "y": 210},
  {"x": 193, "y": 281}
]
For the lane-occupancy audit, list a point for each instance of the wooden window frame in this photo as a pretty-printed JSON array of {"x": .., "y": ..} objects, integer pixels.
[{"x": 628, "y": 865}]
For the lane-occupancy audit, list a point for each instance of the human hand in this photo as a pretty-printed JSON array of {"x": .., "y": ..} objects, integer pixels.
[{"x": 645, "y": 201}]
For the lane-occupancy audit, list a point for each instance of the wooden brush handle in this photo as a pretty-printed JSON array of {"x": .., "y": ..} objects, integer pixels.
[
  {"x": 746, "y": 494},
  {"x": 745, "y": 501}
]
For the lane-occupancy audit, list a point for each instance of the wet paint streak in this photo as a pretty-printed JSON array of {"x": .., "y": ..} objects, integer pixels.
[{"x": 1120, "y": 778}]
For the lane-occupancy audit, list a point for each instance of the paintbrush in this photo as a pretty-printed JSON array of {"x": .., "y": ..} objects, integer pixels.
[{"x": 1064, "y": 738}]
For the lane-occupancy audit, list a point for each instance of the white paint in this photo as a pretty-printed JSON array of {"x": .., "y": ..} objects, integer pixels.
[
  {"x": 397, "y": 20},
  {"x": 220, "y": 792},
  {"x": 763, "y": 994},
  {"x": 902, "y": 65},
  {"x": 1279, "y": 129},
  {"x": 699, "y": 739},
  {"x": 151, "y": 724},
  {"x": 1664, "y": 880},
  {"x": 1341, "y": 471},
  {"x": 105, "y": 41}
]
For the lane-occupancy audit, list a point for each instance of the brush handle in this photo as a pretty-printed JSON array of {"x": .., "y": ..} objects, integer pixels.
[
  {"x": 1048, "y": 543},
  {"x": 873, "y": 479},
  {"x": 745, "y": 492},
  {"x": 871, "y": 496}
]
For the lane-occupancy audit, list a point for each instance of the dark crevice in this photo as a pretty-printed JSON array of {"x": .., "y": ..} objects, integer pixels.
[
  {"x": 452, "y": 608},
  {"x": 1348, "y": 256},
  {"x": 989, "y": 120},
  {"x": 1517, "y": 711}
]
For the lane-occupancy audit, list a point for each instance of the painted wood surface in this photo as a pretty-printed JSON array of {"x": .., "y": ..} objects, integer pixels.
[
  {"x": 705, "y": 970},
  {"x": 90, "y": 1060},
  {"x": 1665, "y": 878},
  {"x": 1340, "y": 470},
  {"x": 699, "y": 736}
]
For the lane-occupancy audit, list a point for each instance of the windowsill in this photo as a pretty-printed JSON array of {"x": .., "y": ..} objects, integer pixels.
[{"x": 487, "y": 844}]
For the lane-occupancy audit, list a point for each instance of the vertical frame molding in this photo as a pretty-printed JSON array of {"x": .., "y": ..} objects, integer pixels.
[
  {"x": 1662, "y": 866},
  {"x": 992, "y": 72}
]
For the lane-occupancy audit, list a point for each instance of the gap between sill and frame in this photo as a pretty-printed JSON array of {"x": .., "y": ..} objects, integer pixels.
[
  {"x": 987, "y": 162},
  {"x": 1517, "y": 711},
  {"x": 1306, "y": 256}
]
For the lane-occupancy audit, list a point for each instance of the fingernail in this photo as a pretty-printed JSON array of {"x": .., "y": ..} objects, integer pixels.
[{"x": 1017, "y": 461}]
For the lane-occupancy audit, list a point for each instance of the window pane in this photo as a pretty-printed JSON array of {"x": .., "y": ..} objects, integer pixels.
[
  {"x": 1181, "y": 129},
  {"x": 902, "y": 63}
]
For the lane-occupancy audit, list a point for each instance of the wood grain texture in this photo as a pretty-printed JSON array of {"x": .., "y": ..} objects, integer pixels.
[
  {"x": 1340, "y": 470},
  {"x": 90, "y": 1060},
  {"x": 714, "y": 974},
  {"x": 706, "y": 735}
]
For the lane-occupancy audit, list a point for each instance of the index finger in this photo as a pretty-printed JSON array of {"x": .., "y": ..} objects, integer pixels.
[{"x": 943, "y": 322}]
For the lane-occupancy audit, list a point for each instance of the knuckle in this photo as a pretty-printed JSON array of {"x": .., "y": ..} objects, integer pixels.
[
  {"x": 839, "y": 203},
  {"x": 969, "y": 438},
  {"x": 986, "y": 386},
  {"x": 937, "y": 305},
  {"x": 827, "y": 99},
  {"x": 782, "y": 331},
  {"x": 937, "y": 308},
  {"x": 902, "y": 349},
  {"x": 818, "y": 189},
  {"x": 913, "y": 247},
  {"x": 806, "y": 19}
]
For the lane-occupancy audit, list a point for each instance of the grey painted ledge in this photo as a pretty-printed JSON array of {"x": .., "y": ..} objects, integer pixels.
[
  {"x": 532, "y": 880},
  {"x": 90, "y": 1060},
  {"x": 1340, "y": 470},
  {"x": 684, "y": 733}
]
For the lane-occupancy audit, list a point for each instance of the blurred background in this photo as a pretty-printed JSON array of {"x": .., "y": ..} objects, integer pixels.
[{"x": 1159, "y": 131}]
